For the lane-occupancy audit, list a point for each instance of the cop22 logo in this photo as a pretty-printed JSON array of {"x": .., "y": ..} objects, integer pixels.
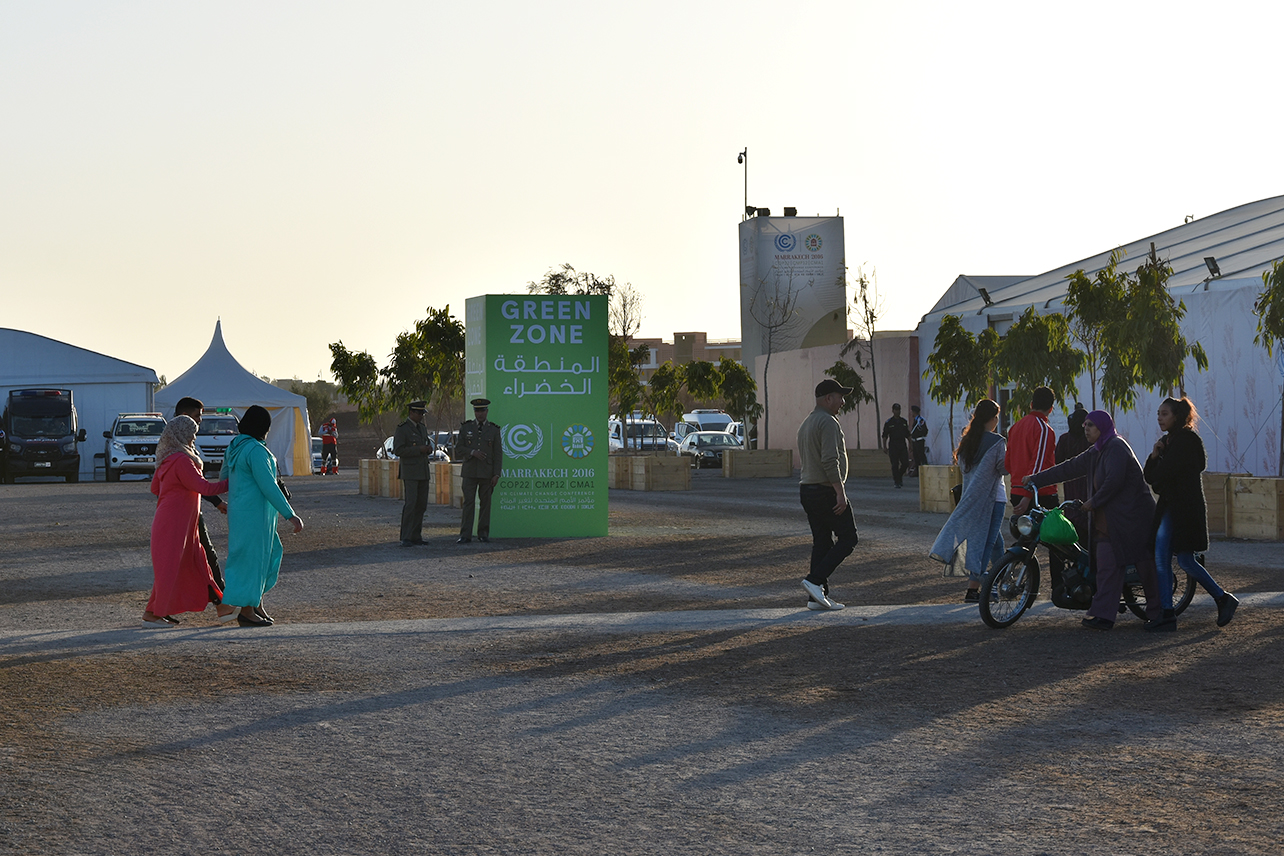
[
  {"x": 813, "y": 243},
  {"x": 522, "y": 441},
  {"x": 786, "y": 243}
]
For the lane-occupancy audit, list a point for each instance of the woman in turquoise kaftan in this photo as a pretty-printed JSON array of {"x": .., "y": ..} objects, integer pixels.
[{"x": 254, "y": 501}]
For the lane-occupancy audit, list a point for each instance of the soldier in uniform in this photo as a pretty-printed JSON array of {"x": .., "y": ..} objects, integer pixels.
[
  {"x": 412, "y": 445},
  {"x": 480, "y": 449}
]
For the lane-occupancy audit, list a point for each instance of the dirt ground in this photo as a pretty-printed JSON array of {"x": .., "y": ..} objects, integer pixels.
[{"x": 792, "y": 734}]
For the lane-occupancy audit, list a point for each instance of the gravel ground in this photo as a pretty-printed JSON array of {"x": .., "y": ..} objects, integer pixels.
[{"x": 659, "y": 690}]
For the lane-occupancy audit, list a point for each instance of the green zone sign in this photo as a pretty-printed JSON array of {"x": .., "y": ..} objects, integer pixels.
[{"x": 541, "y": 360}]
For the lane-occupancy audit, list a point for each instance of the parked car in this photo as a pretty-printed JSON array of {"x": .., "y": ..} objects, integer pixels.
[
  {"x": 738, "y": 428},
  {"x": 131, "y": 444},
  {"x": 217, "y": 431},
  {"x": 318, "y": 457},
  {"x": 705, "y": 448},
  {"x": 637, "y": 431},
  {"x": 385, "y": 452}
]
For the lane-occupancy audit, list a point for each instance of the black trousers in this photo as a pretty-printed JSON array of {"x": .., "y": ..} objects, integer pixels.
[
  {"x": 900, "y": 461},
  {"x": 833, "y": 536},
  {"x": 414, "y": 492},
  {"x": 474, "y": 489},
  {"x": 920, "y": 453},
  {"x": 211, "y": 555}
]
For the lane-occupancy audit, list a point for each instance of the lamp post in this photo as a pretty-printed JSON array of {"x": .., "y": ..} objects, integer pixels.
[{"x": 743, "y": 158}]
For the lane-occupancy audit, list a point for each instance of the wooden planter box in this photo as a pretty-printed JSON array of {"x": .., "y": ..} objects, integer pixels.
[
  {"x": 377, "y": 477},
  {"x": 441, "y": 482},
  {"x": 1254, "y": 508},
  {"x": 1215, "y": 495},
  {"x": 649, "y": 473},
  {"x": 757, "y": 464},
  {"x": 868, "y": 464},
  {"x": 934, "y": 483}
]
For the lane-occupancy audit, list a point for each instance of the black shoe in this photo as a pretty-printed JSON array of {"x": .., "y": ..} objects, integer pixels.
[
  {"x": 464, "y": 541},
  {"x": 251, "y": 622},
  {"x": 407, "y": 543},
  {"x": 1098, "y": 624},
  {"x": 972, "y": 596},
  {"x": 485, "y": 539},
  {"x": 1165, "y": 623},
  {"x": 1226, "y": 606}
]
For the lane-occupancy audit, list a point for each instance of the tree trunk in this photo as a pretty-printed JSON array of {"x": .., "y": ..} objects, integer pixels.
[{"x": 766, "y": 406}]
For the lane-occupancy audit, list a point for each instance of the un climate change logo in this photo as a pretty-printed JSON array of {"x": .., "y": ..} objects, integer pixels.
[
  {"x": 786, "y": 243},
  {"x": 522, "y": 441},
  {"x": 577, "y": 441}
]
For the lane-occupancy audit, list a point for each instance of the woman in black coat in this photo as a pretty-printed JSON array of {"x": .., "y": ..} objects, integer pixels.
[{"x": 1180, "y": 526}]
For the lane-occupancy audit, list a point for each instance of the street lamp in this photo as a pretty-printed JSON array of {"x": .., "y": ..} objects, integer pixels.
[{"x": 743, "y": 158}]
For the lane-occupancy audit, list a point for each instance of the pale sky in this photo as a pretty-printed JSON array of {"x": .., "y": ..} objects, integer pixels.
[{"x": 313, "y": 172}]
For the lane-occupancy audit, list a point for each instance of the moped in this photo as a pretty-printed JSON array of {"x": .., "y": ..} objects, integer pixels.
[{"x": 1012, "y": 585}]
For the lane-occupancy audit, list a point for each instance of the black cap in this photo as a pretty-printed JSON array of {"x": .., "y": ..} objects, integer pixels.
[
  {"x": 418, "y": 406},
  {"x": 828, "y": 385},
  {"x": 914, "y": 407},
  {"x": 480, "y": 403}
]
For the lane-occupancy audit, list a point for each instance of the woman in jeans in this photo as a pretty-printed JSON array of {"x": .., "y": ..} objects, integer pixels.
[
  {"x": 1181, "y": 517},
  {"x": 979, "y": 516}
]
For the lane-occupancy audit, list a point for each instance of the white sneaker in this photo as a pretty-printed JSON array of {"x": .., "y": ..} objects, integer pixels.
[
  {"x": 833, "y": 604},
  {"x": 817, "y": 593}
]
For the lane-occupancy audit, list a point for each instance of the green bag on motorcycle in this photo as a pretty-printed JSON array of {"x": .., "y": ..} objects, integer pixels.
[{"x": 1056, "y": 529}]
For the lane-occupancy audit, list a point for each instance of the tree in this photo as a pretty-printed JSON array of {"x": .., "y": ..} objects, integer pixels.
[
  {"x": 663, "y": 389},
  {"x": 567, "y": 280},
  {"x": 739, "y": 391},
  {"x": 1137, "y": 326},
  {"x": 847, "y": 375},
  {"x": 1092, "y": 304},
  {"x": 428, "y": 363},
  {"x": 703, "y": 380},
  {"x": 960, "y": 365},
  {"x": 1270, "y": 327},
  {"x": 359, "y": 381},
  {"x": 866, "y": 309},
  {"x": 774, "y": 308},
  {"x": 1037, "y": 351}
]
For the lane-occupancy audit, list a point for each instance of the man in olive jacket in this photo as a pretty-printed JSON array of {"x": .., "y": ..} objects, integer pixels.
[
  {"x": 412, "y": 445},
  {"x": 482, "y": 452}
]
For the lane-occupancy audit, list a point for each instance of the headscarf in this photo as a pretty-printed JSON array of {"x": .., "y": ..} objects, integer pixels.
[
  {"x": 1076, "y": 421},
  {"x": 256, "y": 422},
  {"x": 178, "y": 437},
  {"x": 1101, "y": 419}
]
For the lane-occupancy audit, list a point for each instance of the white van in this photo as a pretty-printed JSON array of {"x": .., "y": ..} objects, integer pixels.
[{"x": 701, "y": 420}]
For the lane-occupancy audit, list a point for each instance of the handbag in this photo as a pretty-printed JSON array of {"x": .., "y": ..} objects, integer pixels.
[
  {"x": 285, "y": 491},
  {"x": 957, "y": 493},
  {"x": 1056, "y": 529}
]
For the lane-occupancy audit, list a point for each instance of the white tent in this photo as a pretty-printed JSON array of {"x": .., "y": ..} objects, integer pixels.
[
  {"x": 101, "y": 386},
  {"x": 1238, "y": 397},
  {"x": 218, "y": 380}
]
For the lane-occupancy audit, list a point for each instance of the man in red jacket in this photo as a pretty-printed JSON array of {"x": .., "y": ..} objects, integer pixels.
[{"x": 1032, "y": 448}]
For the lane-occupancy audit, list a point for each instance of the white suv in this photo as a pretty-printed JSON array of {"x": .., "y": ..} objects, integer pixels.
[
  {"x": 131, "y": 444},
  {"x": 217, "y": 431}
]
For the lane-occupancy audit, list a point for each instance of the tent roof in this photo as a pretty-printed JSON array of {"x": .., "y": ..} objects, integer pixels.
[
  {"x": 29, "y": 358},
  {"x": 1244, "y": 241},
  {"x": 218, "y": 379}
]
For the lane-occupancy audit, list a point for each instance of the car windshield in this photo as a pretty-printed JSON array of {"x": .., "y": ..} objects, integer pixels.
[
  {"x": 316, "y": 446},
  {"x": 646, "y": 429},
  {"x": 715, "y": 439},
  {"x": 140, "y": 428},
  {"x": 218, "y": 425},
  {"x": 41, "y": 426}
]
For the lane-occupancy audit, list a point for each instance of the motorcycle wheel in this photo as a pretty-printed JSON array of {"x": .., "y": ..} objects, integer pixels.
[
  {"x": 1184, "y": 586},
  {"x": 1008, "y": 590}
]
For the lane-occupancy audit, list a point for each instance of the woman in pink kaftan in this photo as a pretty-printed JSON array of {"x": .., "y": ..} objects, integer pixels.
[{"x": 182, "y": 580}]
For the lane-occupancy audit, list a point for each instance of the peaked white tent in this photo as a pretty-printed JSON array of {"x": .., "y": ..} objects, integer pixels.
[{"x": 218, "y": 380}]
